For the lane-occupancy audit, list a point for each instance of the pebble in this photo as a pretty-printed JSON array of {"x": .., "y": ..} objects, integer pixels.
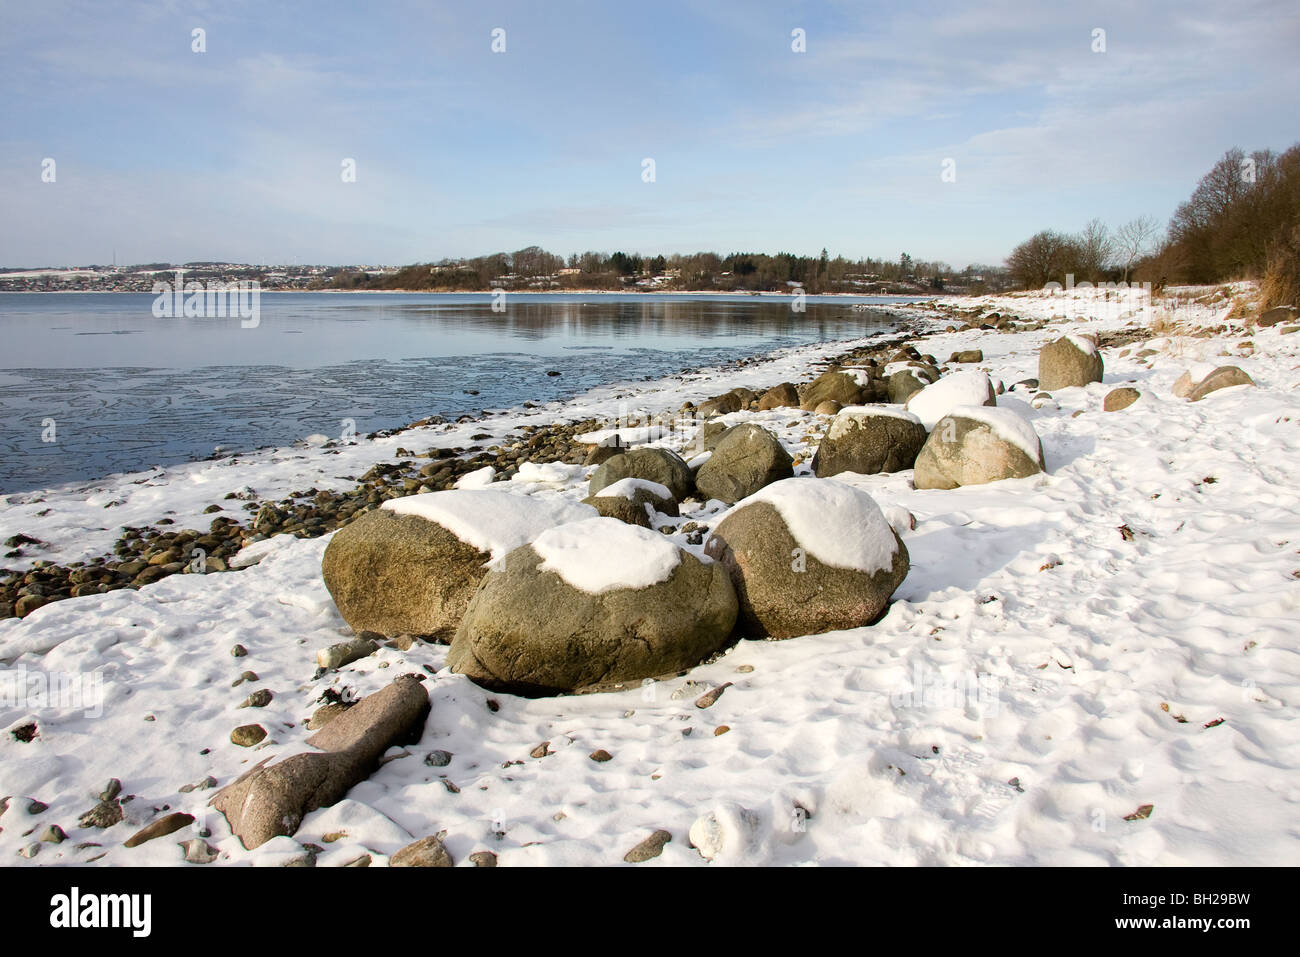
[
  {"x": 438, "y": 759},
  {"x": 247, "y": 735},
  {"x": 483, "y": 859},
  {"x": 708, "y": 699},
  {"x": 541, "y": 750},
  {"x": 103, "y": 814},
  {"x": 238, "y": 651},
  {"x": 208, "y": 782},
  {"x": 37, "y": 807},
  {"x": 246, "y": 676},
  {"x": 258, "y": 699},
  {"x": 601, "y": 756},
  {"x": 362, "y": 861},
  {"x": 650, "y": 848},
  {"x": 53, "y": 835},
  {"x": 111, "y": 790},
  {"x": 30, "y": 851},
  {"x": 160, "y": 828}
]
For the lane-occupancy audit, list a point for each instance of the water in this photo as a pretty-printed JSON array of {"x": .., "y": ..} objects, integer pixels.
[{"x": 127, "y": 391}]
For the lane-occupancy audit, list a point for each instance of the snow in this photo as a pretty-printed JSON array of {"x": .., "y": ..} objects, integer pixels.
[
  {"x": 628, "y": 487},
  {"x": 910, "y": 365},
  {"x": 479, "y": 478},
  {"x": 840, "y": 424},
  {"x": 602, "y": 554},
  {"x": 1083, "y": 343},
  {"x": 1006, "y": 424},
  {"x": 960, "y": 388},
  {"x": 548, "y": 473},
  {"x": 1030, "y": 641},
  {"x": 493, "y": 522},
  {"x": 835, "y": 523}
]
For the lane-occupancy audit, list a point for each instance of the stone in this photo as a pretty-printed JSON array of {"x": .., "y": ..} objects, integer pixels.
[
  {"x": 960, "y": 388},
  {"x": 600, "y": 756},
  {"x": 269, "y": 801},
  {"x": 815, "y": 576},
  {"x": 103, "y": 815},
  {"x": 969, "y": 355},
  {"x": 868, "y": 440},
  {"x": 1278, "y": 314},
  {"x": 729, "y": 832},
  {"x": 974, "y": 446},
  {"x": 783, "y": 396},
  {"x": 719, "y": 405},
  {"x": 625, "y": 510},
  {"x": 1122, "y": 398},
  {"x": 346, "y": 652},
  {"x": 833, "y": 386},
  {"x": 426, "y": 852},
  {"x": 1223, "y": 377},
  {"x": 168, "y": 824},
  {"x": 247, "y": 735},
  {"x": 258, "y": 699},
  {"x": 829, "y": 407},
  {"x": 902, "y": 385},
  {"x": 654, "y": 465},
  {"x": 483, "y": 859},
  {"x": 1069, "y": 362},
  {"x": 199, "y": 851},
  {"x": 530, "y": 631},
  {"x": 438, "y": 759},
  {"x": 746, "y": 459},
  {"x": 649, "y": 848},
  {"x": 325, "y": 714}
]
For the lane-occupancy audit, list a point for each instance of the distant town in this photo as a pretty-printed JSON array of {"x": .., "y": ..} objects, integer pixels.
[{"x": 534, "y": 269}]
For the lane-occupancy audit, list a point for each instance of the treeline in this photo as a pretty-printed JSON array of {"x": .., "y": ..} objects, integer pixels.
[
  {"x": 1241, "y": 222},
  {"x": 536, "y": 268}
]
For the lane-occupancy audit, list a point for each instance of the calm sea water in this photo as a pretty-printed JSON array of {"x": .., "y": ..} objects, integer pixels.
[{"x": 127, "y": 391}]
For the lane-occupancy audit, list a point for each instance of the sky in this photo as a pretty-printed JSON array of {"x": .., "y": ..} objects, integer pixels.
[{"x": 238, "y": 152}]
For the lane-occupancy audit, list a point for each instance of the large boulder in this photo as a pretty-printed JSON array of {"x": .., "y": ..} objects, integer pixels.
[
  {"x": 961, "y": 388},
  {"x": 661, "y": 466},
  {"x": 838, "y": 387},
  {"x": 745, "y": 459},
  {"x": 592, "y": 605},
  {"x": 973, "y": 445},
  {"x": 780, "y": 396},
  {"x": 411, "y": 566},
  {"x": 808, "y": 556},
  {"x": 903, "y": 384},
  {"x": 1067, "y": 362},
  {"x": 267, "y": 802},
  {"x": 869, "y": 439}
]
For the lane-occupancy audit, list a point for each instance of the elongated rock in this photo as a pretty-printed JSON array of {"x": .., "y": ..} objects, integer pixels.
[
  {"x": 267, "y": 802},
  {"x": 160, "y": 828}
]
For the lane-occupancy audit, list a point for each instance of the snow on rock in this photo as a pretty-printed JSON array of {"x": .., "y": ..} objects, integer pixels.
[
  {"x": 479, "y": 478},
  {"x": 837, "y": 524},
  {"x": 841, "y": 424},
  {"x": 548, "y": 473},
  {"x": 601, "y": 554},
  {"x": 491, "y": 521},
  {"x": 628, "y": 487},
  {"x": 729, "y": 834},
  {"x": 960, "y": 388},
  {"x": 1085, "y": 344},
  {"x": 1007, "y": 425}
]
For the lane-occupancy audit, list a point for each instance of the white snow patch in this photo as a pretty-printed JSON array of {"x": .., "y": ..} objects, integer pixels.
[
  {"x": 837, "y": 524},
  {"x": 493, "y": 522},
  {"x": 600, "y": 554},
  {"x": 961, "y": 388},
  {"x": 840, "y": 424},
  {"x": 1083, "y": 343},
  {"x": 548, "y": 473},
  {"x": 479, "y": 478}
]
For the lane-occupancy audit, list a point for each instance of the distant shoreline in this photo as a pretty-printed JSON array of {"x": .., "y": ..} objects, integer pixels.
[{"x": 514, "y": 292}]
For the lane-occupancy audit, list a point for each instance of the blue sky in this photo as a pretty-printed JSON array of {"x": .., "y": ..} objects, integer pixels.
[{"x": 235, "y": 153}]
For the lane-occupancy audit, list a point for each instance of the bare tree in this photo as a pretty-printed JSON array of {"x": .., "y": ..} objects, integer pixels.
[
  {"x": 1095, "y": 249},
  {"x": 1133, "y": 240}
]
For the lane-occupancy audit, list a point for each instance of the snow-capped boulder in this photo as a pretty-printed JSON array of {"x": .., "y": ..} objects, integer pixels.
[
  {"x": 720, "y": 405},
  {"x": 411, "y": 566},
  {"x": 745, "y": 459},
  {"x": 838, "y": 387},
  {"x": 270, "y": 801},
  {"x": 869, "y": 439},
  {"x": 1069, "y": 361},
  {"x": 780, "y": 396},
  {"x": 1190, "y": 379},
  {"x": 807, "y": 556},
  {"x": 1224, "y": 377},
  {"x": 661, "y": 466},
  {"x": 973, "y": 445},
  {"x": 961, "y": 388},
  {"x": 1277, "y": 315},
  {"x": 589, "y": 605},
  {"x": 634, "y": 501}
]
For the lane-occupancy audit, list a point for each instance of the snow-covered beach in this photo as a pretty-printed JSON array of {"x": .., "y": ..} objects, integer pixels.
[{"x": 1095, "y": 665}]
